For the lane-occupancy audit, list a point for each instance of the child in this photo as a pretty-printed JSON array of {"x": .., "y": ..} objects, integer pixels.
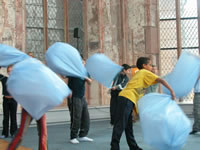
[
  {"x": 127, "y": 100},
  {"x": 119, "y": 83},
  {"x": 9, "y": 108}
]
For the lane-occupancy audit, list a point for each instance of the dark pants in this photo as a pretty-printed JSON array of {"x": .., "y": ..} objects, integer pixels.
[
  {"x": 9, "y": 113},
  {"x": 113, "y": 105},
  {"x": 123, "y": 122},
  {"x": 80, "y": 120},
  {"x": 196, "y": 112},
  {"x": 25, "y": 122}
]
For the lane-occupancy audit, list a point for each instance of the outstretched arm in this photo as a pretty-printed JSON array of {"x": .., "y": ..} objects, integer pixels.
[{"x": 163, "y": 82}]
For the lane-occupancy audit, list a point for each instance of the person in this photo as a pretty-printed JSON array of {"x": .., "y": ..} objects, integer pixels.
[
  {"x": 26, "y": 120},
  {"x": 80, "y": 120},
  {"x": 196, "y": 108},
  {"x": 127, "y": 100},
  {"x": 119, "y": 83},
  {"x": 9, "y": 108}
]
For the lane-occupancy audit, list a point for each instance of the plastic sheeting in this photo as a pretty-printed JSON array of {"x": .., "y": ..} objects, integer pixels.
[
  {"x": 164, "y": 125},
  {"x": 102, "y": 69},
  {"x": 36, "y": 87},
  {"x": 184, "y": 76},
  {"x": 65, "y": 60},
  {"x": 10, "y": 55}
]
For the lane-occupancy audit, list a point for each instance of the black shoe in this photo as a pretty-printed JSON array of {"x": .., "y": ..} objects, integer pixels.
[{"x": 193, "y": 132}]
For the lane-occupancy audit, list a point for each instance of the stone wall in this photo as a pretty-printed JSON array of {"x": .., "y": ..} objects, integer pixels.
[
  {"x": 122, "y": 30},
  {"x": 12, "y": 25}
]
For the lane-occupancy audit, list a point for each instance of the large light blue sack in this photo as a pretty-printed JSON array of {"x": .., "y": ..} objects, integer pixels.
[
  {"x": 164, "y": 125},
  {"x": 65, "y": 60},
  {"x": 102, "y": 69},
  {"x": 10, "y": 55},
  {"x": 36, "y": 87},
  {"x": 184, "y": 76}
]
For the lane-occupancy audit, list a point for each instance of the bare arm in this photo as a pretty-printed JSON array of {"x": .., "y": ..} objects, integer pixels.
[{"x": 163, "y": 82}]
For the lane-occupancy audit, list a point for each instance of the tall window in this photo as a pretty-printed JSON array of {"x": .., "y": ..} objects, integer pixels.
[
  {"x": 55, "y": 16},
  {"x": 188, "y": 27}
]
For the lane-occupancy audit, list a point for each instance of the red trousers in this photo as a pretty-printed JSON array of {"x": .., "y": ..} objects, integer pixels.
[{"x": 25, "y": 122}]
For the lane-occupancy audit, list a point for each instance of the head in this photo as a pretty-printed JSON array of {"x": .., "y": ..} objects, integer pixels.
[
  {"x": 30, "y": 54},
  {"x": 9, "y": 69},
  {"x": 126, "y": 68},
  {"x": 144, "y": 63}
]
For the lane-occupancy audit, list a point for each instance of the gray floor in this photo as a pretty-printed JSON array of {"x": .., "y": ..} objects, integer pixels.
[{"x": 100, "y": 131}]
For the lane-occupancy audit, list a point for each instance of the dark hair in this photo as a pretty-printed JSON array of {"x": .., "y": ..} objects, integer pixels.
[
  {"x": 126, "y": 66},
  {"x": 82, "y": 57},
  {"x": 141, "y": 61}
]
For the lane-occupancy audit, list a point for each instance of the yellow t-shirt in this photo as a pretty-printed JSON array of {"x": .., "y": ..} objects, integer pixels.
[{"x": 136, "y": 86}]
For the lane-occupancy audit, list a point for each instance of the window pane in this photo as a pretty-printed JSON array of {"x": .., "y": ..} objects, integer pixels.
[
  {"x": 188, "y": 8},
  {"x": 189, "y": 33},
  {"x": 34, "y": 28},
  {"x": 167, "y": 9},
  {"x": 168, "y": 34},
  {"x": 55, "y": 21}
]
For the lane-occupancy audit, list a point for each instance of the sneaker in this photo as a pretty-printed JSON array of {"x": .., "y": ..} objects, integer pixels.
[
  {"x": 3, "y": 137},
  {"x": 74, "y": 141},
  {"x": 85, "y": 139}
]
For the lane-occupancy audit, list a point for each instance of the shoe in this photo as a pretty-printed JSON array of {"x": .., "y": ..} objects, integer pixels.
[
  {"x": 3, "y": 137},
  {"x": 193, "y": 132},
  {"x": 74, "y": 141},
  {"x": 85, "y": 139}
]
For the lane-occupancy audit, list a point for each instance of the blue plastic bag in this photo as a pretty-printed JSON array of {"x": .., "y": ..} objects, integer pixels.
[
  {"x": 164, "y": 125},
  {"x": 36, "y": 87},
  {"x": 102, "y": 69},
  {"x": 10, "y": 55},
  {"x": 65, "y": 60},
  {"x": 184, "y": 76}
]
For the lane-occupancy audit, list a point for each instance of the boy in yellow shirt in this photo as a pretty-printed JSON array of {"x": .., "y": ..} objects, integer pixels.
[{"x": 127, "y": 100}]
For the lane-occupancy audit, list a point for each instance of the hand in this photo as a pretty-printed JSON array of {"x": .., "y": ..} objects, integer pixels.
[
  {"x": 88, "y": 80},
  {"x": 114, "y": 88},
  {"x": 173, "y": 95}
]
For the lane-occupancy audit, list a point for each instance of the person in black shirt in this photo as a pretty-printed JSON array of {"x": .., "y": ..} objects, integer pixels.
[
  {"x": 78, "y": 107},
  {"x": 119, "y": 83},
  {"x": 9, "y": 109}
]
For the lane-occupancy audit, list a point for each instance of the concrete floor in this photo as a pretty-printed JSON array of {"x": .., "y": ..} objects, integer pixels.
[{"x": 100, "y": 131}]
